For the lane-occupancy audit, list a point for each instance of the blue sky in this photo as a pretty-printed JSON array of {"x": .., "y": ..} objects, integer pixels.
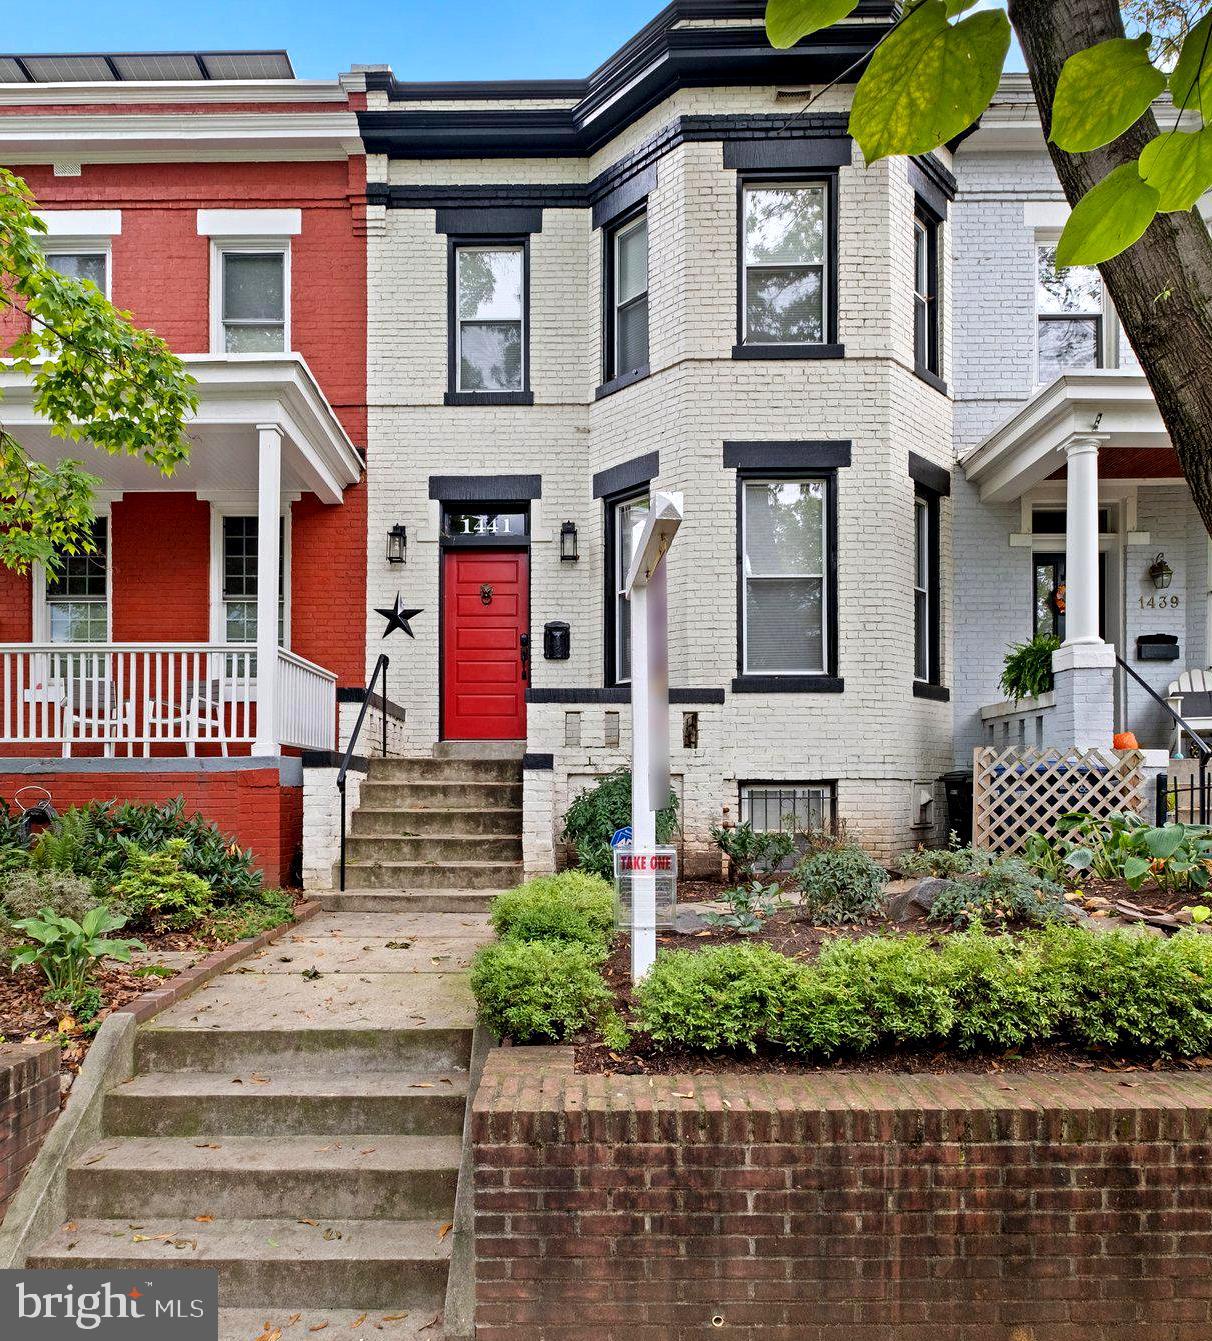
[{"x": 508, "y": 39}]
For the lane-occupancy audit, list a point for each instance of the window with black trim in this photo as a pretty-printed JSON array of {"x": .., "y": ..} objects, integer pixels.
[
  {"x": 926, "y": 315},
  {"x": 927, "y": 589},
  {"x": 786, "y": 278},
  {"x": 488, "y": 317},
  {"x": 626, "y": 345},
  {"x": 786, "y": 580},
  {"x": 623, "y": 512}
]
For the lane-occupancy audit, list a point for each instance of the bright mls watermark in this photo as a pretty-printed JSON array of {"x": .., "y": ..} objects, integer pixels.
[{"x": 181, "y": 1304}]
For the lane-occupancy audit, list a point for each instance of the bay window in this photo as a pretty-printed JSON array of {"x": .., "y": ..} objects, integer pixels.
[
  {"x": 927, "y": 590},
  {"x": 627, "y": 299},
  {"x": 926, "y": 314},
  {"x": 784, "y": 594}
]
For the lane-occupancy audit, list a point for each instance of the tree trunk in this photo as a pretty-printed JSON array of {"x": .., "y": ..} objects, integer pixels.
[{"x": 1162, "y": 286}]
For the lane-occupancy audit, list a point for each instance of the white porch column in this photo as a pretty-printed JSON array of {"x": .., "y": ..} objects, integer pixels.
[
  {"x": 1084, "y": 668},
  {"x": 269, "y": 510}
]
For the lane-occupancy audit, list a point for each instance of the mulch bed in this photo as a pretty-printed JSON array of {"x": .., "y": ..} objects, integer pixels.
[{"x": 792, "y": 934}]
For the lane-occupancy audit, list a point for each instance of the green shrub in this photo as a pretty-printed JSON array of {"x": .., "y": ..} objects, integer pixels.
[
  {"x": 753, "y": 852},
  {"x": 841, "y": 885},
  {"x": 24, "y": 893},
  {"x": 1134, "y": 992},
  {"x": 157, "y": 889},
  {"x": 1002, "y": 991},
  {"x": 95, "y": 841},
  {"x": 897, "y": 982},
  {"x": 66, "y": 951},
  {"x": 726, "y": 996},
  {"x": 598, "y": 813},
  {"x": 571, "y": 906},
  {"x": 748, "y": 907},
  {"x": 822, "y": 1017},
  {"x": 535, "y": 991},
  {"x": 941, "y": 863},
  {"x": 1001, "y": 890},
  {"x": 240, "y": 921}
]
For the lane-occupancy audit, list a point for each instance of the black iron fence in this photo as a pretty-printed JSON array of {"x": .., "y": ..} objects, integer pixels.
[{"x": 1185, "y": 800}]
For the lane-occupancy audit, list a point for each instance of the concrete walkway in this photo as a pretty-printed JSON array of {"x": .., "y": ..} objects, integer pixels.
[{"x": 297, "y": 1122}]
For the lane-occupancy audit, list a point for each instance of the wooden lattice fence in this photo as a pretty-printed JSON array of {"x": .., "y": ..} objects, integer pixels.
[{"x": 1018, "y": 792}]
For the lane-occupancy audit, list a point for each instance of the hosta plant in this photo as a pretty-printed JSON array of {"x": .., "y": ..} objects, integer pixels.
[
  {"x": 748, "y": 907},
  {"x": 66, "y": 951},
  {"x": 1175, "y": 856}
]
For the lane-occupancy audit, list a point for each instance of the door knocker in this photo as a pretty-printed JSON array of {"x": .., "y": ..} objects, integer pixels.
[{"x": 485, "y": 594}]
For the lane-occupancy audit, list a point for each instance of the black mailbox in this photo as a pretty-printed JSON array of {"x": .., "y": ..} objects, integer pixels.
[
  {"x": 1157, "y": 647},
  {"x": 557, "y": 641}
]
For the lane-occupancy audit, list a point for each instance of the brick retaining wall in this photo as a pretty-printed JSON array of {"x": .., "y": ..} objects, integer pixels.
[
  {"x": 29, "y": 1105},
  {"x": 1073, "y": 1207}
]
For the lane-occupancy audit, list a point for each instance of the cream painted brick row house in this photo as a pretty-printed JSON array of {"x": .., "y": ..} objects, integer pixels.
[{"x": 531, "y": 371}]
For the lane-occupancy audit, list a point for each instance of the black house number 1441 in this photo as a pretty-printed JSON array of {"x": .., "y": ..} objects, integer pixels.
[{"x": 1159, "y": 603}]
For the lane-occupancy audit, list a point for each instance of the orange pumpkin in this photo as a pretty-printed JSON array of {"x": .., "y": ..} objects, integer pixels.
[{"x": 1124, "y": 740}]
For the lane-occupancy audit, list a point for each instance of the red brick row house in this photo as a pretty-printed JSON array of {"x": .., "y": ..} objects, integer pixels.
[{"x": 222, "y": 202}]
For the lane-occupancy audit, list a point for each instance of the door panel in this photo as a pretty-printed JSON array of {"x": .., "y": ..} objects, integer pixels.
[{"x": 483, "y": 677}]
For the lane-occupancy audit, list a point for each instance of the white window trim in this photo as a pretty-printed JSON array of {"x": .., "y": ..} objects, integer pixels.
[
  {"x": 219, "y": 247},
  {"x": 620, "y": 233},
  {"x": 93, "y": 225},
  {"x": 250, "y": 223},
  {"x": 520, "y": 248},
  {"x": 826, "y": 613},
  {"x": 218, "y": 625},
  {"x": 1108, "y": 325},
  {"x": 823, "y": 186},
  {"x": 40, "y": 622}
]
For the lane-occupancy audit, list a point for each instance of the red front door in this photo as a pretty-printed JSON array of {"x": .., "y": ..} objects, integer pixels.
[{"x": 486, "y": 613}]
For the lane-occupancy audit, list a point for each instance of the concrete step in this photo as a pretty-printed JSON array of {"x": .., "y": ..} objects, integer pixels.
[
  {"x": 445, "y": 770},
  {"x": 362, "y": 1176},
  {"x": 473, "y": 901},
  {"x": 455, "y": 848},
  {"x": 211, "y": 1104},
  {"x": 410, "y": 821},
  {"x": 354, "y": 1263},
  {"x": 383, "y": 1324},
  {"x": 416, "y": 875},
  {"x": 479, "y": 749},
  {"x": 440, "y": 795},
  {"x": 303, "y": 1052}
]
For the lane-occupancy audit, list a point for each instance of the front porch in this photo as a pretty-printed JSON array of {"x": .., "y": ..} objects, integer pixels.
[
  {"x": 198, "y": 626},
  {"x": 1076, "y": 500}
]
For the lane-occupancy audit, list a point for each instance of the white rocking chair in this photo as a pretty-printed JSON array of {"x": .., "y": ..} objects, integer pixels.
[{"x": 1191, "y": 697}]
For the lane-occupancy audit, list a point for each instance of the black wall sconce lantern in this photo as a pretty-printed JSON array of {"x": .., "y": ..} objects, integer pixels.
[
  {"x": 397, "y": 544},
  {"x": 568, "y": 543},
  {"x": 1161, "y": 573}
]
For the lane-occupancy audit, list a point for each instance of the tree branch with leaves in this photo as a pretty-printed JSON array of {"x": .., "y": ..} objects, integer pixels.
[{"x": 97, "y": 379}]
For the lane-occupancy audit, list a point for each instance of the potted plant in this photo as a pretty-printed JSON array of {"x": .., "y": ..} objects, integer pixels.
[{"x": 1027, "y": 671}]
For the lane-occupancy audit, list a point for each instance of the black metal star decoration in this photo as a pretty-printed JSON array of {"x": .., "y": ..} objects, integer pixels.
[{"x": 397, "y": 618}]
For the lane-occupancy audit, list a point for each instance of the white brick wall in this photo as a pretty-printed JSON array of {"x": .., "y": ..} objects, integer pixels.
[
  {"x": 322, "y": 822},
  {"x": 875, "y": 739}
]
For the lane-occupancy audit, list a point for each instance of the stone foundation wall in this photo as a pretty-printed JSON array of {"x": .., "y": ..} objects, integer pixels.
[
  {"x": 1000, "y": 1207},
  {"x": 29, "y": 1105}
]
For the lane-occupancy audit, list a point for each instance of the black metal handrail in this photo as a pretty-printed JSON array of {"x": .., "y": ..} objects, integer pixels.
[
  {"x": 380, "y": 672},
  {"x": 1202, "y": 748}
]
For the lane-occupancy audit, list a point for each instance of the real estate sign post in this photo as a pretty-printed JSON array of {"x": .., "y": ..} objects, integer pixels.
[{"x": 647, "y": 587}]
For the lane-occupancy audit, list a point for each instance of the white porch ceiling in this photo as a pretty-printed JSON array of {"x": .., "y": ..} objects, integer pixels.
[
  {"x": 1115, "y": 404},
  {"x": 237, "y": 395}
]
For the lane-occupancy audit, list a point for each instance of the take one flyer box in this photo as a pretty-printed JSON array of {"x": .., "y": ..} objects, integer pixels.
[{"x": 659, "y": 864}]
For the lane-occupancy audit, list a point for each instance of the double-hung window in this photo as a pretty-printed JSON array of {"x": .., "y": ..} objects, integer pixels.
[
  {"x": 239, "y": 580},
  {"x": 784, "y": 272},
  {"x": 489, "y": 352},
  {"x": 77, "y": 593},
  {"x": 784, "y": 583},
  {"x": 624, "y": 515},
  {"x": 90, "y": 263},
  {"x": 1069, "y": 315},
  {"x": 927, "y": 644},
  {"x": 926, "y": 315},
  {"x": 253, "y": 300},
  {"x": 627, "y": 296}
]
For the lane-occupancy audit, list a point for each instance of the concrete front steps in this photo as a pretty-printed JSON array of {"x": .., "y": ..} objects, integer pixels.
[
  {"x": 435, "y": 824},
  {"x": 302, "y": 1136}
]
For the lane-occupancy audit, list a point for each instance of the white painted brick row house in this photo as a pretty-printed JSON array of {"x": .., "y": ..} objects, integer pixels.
[{"x": 530, "y": 370}]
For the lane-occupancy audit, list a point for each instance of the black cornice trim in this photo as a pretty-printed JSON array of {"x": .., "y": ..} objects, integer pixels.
[
  {"x": 827, "y": 455},
  {"x": 663, "y": 57},
  {"x": 932, "y": 169},
  {"x": 491, "y": 221},
  {"x": 627, "y": 475},
  {"x": 485, "y": 488},
  {"x": 935, "y": 478}
]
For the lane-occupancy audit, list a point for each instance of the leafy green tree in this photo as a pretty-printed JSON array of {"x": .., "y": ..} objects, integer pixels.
[
  {"x": 1133, "y": 184},
  {"x": 97, "y": 378}
]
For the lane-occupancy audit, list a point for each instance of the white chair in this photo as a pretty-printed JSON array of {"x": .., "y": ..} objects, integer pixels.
[
  {"x": 1191, "y": 697},
  {"x": 94, "y": 714}
]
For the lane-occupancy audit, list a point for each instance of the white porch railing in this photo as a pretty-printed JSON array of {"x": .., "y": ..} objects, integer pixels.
[
  {"x": 1021, "y": 724},
  {"x": 144, "y": 697}
]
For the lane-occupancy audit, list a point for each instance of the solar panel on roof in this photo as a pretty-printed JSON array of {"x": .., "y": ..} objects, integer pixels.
[
  {"x": 248, "y": 65},
  {"x": 68, "y": 69},
  {"x": 168, "y": 66},
  {"x": 11, "y": 72}
]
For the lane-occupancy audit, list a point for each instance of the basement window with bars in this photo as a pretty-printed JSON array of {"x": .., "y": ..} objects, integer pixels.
[{"x": 797, "y": 807}]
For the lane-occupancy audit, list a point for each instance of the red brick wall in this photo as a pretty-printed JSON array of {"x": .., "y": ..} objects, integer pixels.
[
  {"x": 999, "y": 1207},
  {"x": 161, "y": 568},
  {"x": 29, "y": 1105},
  {"x": 251, "y": 804},
  {"x": 160, "y": 272}
]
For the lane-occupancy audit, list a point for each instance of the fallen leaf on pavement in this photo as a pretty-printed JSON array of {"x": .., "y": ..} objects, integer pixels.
[
  {"x": 444, "y": 1230},
  {"x": 294, "y": 1317},
  {"x": 315, "y": 1224},
  {"x": 319, "y": 1327},
  {"x": 357, "y": 1322},
  {"x": 270, "y": 1333},
  {"x": 205, "y": 1219},
  {"x": 394, "y": 1317}
]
